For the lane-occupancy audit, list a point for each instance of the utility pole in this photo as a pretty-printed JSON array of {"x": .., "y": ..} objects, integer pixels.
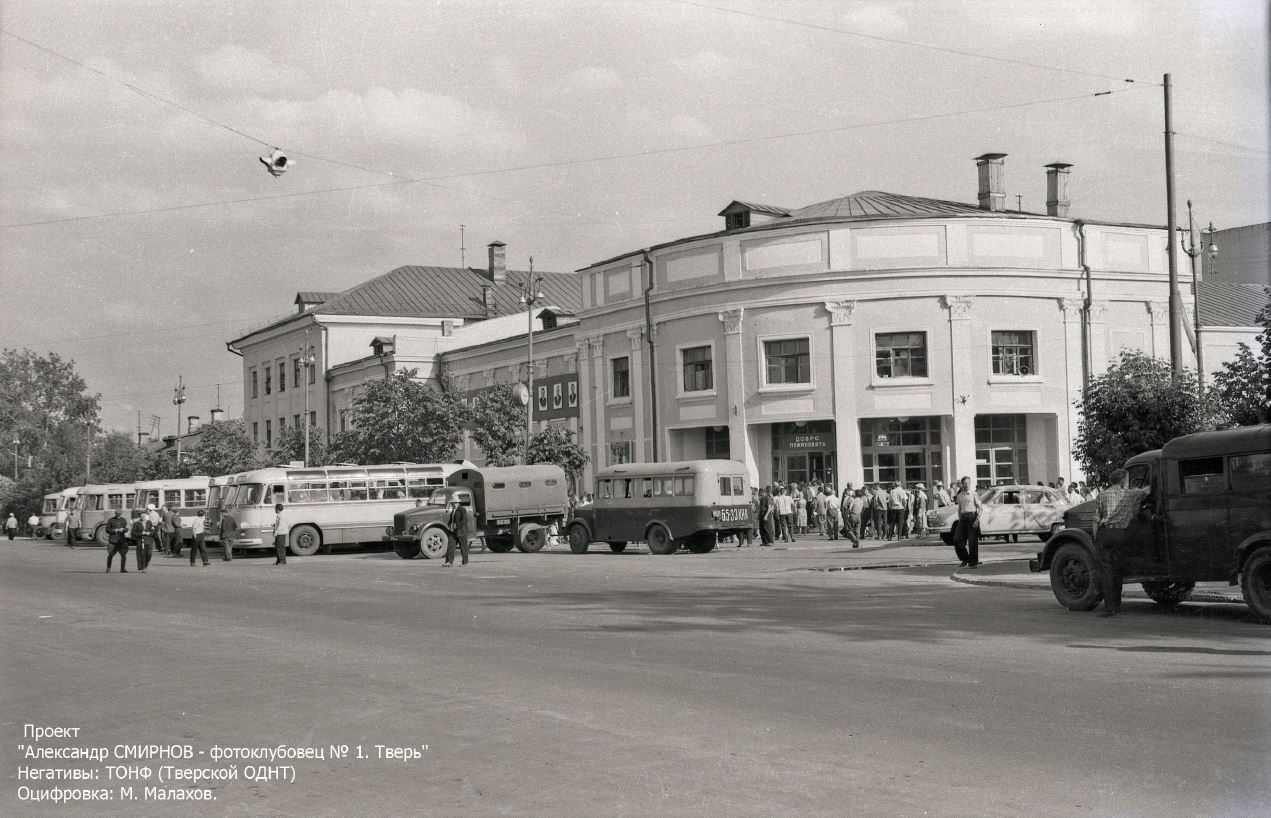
[
  {"x": 1175, "y": 302},
  {"x": 16, "y": 441},
  {"x": 1208, "y": 249},
  {"x": 307, "y": 360},
  {"x": 531, "y": 294},
  {"x": 178, "y": 398}
]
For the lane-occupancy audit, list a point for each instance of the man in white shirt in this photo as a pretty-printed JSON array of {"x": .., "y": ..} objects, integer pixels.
[
  {"x": 199, "y": 526},
  {"x": 785, "y": 515}
]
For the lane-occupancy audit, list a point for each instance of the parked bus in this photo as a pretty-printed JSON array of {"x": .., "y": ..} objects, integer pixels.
[
  {"x": 336, "y": 505},
  {"x": 667, "y": 505},
  {"x": 187, "y": 496},
  {"x": 97, "y": 503},
  {"x": 57, "y": 506}
]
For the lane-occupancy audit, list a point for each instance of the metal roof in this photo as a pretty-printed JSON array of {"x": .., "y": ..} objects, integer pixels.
[
  {"x": 737, "y": 205},
  {"x": 313, "y": 297},
  {"x": 1241, "y": 440},
  {"x": 872, "y": 204},
  {"x": 1223, "y": 304}
]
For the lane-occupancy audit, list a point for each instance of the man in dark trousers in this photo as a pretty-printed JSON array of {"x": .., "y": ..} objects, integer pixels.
[
  {"x": 966, "y": 540},
  {"x": 766, "y": 514},
  {"x": 458, "y": 524},
  {"x": 116, "y": 528},
  {"x": 280, "y": 536},
  {"x": 1115, "y": 508}
]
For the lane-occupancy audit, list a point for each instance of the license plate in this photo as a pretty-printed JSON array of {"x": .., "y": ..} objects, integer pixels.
[
  {"x": 734, "y": 515},
  {"x": 505, "y": 521}
]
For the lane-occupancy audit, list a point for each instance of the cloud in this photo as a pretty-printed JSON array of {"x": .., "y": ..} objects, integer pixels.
[
  {"x": 680, "y": 128},
  {"x": 710, "y": 64},
  {"x": 234, "y": 68},
  {"x": 594, "y": 78},
  {"x": 877, "y": 19}
]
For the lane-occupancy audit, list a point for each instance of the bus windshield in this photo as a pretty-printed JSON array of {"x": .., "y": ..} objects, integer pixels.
[
  {"x": 248, "y": 494},
  {"x": 50, "y": 505}
]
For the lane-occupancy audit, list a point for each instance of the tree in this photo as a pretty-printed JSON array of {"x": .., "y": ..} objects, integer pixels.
[
  {"x": 117, "y": 459},
  {"x": 1243, "y": 387},
  {"x": 1136, "y": 406},
  {"x": 291, "y": 446},
  {"x": 224, "y": 447},
  {"x": 403, "y": 419},
  {"x": 556, "y": 445},
  {"x": 497, "y": 422}
]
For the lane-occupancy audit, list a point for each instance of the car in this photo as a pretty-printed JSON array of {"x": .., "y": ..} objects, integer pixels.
[{"x": 1008, "y": 511}]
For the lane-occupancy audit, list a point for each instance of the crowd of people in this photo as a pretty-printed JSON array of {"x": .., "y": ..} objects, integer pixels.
[
  {"x": 878, "y": 511},
  {"x": 153, "y": 530}
]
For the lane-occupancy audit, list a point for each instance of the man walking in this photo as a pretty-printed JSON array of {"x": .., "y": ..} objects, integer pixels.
[
  {"x": 11, "y": 526},
  {"x": 458, "y": 525},
  {"x": 966, "y": 542},
  {"x": 116, "y": 528},
  {"x": 1114, "y": 510},
  {"x": 32, "y": 523},
  {"x": 785, "y": 515},
  {"x": 198, "y": 525},
  {"x": 852, "y": 509}
]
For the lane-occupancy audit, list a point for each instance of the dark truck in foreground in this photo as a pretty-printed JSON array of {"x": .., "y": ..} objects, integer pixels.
[
  {"x": 1207, "y": 518},
  {"x": 510, "y": 507}
]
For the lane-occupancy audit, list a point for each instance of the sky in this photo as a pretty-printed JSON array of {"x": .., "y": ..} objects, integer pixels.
[{"x": 139, "y": 232}]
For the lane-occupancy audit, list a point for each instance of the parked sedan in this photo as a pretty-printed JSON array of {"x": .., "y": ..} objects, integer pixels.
[{"x": 1008, "y": 512}]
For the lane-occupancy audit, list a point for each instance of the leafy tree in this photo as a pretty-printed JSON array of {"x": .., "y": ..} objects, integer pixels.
[
  {"x": 1243, "y": 387},
  {"x": 403, "y": 419},
  {"x": 291, "y": 446},
  {"x": 557, "y": 445},
  {"x": 117, "y": 459},
  {"x": 223, "y": 447},
  {"x": 497, "y": 423},
  {"x": 1136, "y": 406}
]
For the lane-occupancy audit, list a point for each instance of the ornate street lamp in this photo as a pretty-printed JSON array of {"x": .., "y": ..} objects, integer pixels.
[
  {"x": 1209, "y": 249},
  {"x": 308, "y": 360},
  {"x": 178, "y": 398},
  {"x": 531, "y": 294}
]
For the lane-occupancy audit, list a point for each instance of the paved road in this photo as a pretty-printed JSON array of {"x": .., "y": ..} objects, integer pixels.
[{"x": 742, "y": 682}]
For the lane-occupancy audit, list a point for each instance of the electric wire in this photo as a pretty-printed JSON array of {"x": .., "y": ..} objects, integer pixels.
[{"x": 1221, "y": 142}]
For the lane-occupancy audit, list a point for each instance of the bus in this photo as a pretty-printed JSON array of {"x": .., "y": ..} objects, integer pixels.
[
  {"x": 97, "y": 503},
  {"x": 335, "y": 505},
  {"x": 689, "y": 503},
  {"x": 57, "y": 506},
  {"x": 187, "y": 496}
]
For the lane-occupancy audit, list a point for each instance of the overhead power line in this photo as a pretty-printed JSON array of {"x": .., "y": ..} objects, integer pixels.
[
  {"x": 1262, "y": 151},
  {"x": 897, "y": 41}
]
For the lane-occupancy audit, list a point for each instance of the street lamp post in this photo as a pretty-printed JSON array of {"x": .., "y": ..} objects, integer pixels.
[
  {"x": 531, "y": 294},
  {"x": 1209, "y": 249},
  {"x": 307, "y": 360},
  {"x": 16, "y": 441},
  {"x": 178, "y": 398}
]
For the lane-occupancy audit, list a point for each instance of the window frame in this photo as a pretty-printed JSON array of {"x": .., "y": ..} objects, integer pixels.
[
  {"x": 710, "y": 391},
  {"x": 877, "y": 379},
  {"x": 1003, "y": 377},
  {"x": 255, "y": 382},
  {"x": 761, "y": 342},
  {"x": 612, "y": 384},
  {"x": 282, "y": 375}
]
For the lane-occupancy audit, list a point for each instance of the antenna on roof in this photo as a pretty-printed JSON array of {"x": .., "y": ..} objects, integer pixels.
[{"x": 463, "y": 258}]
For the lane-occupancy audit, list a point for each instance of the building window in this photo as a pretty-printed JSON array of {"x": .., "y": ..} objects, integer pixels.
[
  {"x": 737, "y": 221},
  {"x": 788, "y": 361},
  {"x": 717, "y": 446},
  {"x": 620, "y": 452},
  {"x": 697, "y": 367},
  {"x": 269, "y": 432},
  {"x": 621, "y": 378},
  {"x": 1013, "y": 353},
  {"x": 251, "y": 374},
  {"x": 313, "y": 418},
  {"x": 312, "y": 367},
  {"x": 282, "y": 376},
  {"x": 344, "y": 420},
  {"x": 1001, "y": 449},
  {"x": 295, "y": 421},
  {"x": 282, "y": 427},
  {"x": 269, "y": 379},
  {"x": 255, "y": 432},
  {"x": 295, "y": 370},
  {"x": 901, "y": 354}
]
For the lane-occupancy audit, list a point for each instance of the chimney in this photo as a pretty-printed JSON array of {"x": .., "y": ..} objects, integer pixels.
[
  {"x": 216, "y": 415},
  {"x": 487, "y": 300},
  {"x": 992, "y": 191},
  {"x": 1057, "y": 189},
  {"x": 498, "y": 272},
  {"x": 191, "y": 424}
]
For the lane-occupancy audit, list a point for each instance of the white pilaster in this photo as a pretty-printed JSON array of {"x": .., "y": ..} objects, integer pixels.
[
  {"x": 734, "y": 364},
  {"x": 639, "y": 393},
  {"x": 964, "y": 391},
  {"x": 847, "y": 437}
]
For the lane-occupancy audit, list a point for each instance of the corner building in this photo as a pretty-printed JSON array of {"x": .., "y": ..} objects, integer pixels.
[{"x": 875, "y": 337}]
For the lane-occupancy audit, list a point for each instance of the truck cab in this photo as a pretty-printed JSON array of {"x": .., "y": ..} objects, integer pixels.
[{"x": 1206, "y": 518}]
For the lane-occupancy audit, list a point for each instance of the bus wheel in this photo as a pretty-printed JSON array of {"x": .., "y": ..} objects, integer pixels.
[
  {"x": 579, "y": 539},
  {"x": 101, "y": 536},
  {"x": 659, "y": 540},
  {"x": 305, "y": 541},
  {"x": 406, "y": 549},
  {"x": 499, "y": 544},
  {"x": 1255, "y": 583},
  {"x": 1074, "y": 578},
  {"x": 701, "y": 544},
  {"x": 530, "y": 538},
  {"x": 433, "y": 542},
  {"x": 617, "y": 547}
]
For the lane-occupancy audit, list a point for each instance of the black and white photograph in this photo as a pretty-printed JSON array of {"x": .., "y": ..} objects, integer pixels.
[{"x": 631, "y": 408}]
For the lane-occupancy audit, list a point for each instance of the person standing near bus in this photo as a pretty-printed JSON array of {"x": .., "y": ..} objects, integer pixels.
[
  {"x": 785, "y": 515},
  {"x": 1114, "y": 511},
  {"x": 171, "y": 531},
  {"x": 280, "y": 536},
  {"x": 117, "y": 543},
  {"x": 458, "y": 525},
  {"x": 32, "y": 523},
  {"x": 766, "y": 513},
  {"x": 198, "y": 525},
  {"x": 72, "y": 527}
]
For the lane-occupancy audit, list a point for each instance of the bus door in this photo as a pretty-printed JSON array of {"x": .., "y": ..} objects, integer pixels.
[
  {"x": 1199, "y": 528},
  {"x": 1146, "y": 553}
]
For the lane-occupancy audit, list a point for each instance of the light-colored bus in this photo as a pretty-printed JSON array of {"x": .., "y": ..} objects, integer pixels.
[
  {"x": 336, "y": 505},
  {"x": 96, "y": 504},
  {"x": 667, "y": 505},
  {"x": 57, "y": 506},
  {"x": 187, "y": 496}
]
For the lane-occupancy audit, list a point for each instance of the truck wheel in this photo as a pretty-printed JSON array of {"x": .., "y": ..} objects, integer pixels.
[
  {"x": 499, "y": 544},
  {"x": 617, "y": 547},
  {"x": 659, "y": 540},
  {"x": 530, "y": 538},
  {"x": 305, "y": 541},
  {"x": 1255, "y": 583},
  {"x": 407, "y": 549},
  {"x": 1168, "y": 594},
  {"x": 578, "y": 539},
  {"x": 701, "y": 544},
  {"x": 1074, "y": 578},
  {"x": 433, "y": 542},
  {"x": 101, "y": 536}
]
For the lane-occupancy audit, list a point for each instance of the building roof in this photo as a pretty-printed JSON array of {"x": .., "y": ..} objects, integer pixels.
[
  {"x": 754, "y": 207},
  {"x": 313, "y": 297},
  {"x": 1222, "y": 304},
  {"x": 873, "y": 204},
  {"x": 437, "y": 292}
]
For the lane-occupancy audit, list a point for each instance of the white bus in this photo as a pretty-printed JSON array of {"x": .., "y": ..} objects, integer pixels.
[
  {"x": 336, "y": 505},
  {"x": 97, "y": 503},
  {"x": 187, "y": 496},
  {"x": 57, "y": 506}
]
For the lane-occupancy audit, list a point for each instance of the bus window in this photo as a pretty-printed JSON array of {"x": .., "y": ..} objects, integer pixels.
[
  {"x": 50, "y": 505},
  {"x": 739, "y": 487},
  {"x": 339, "y": 490},
  {"x": 115, "y": 501},
  {"x": 250, "y": 494},
  {"x": 628, "y": 488},
  {"x": 663, "y": 486},
  {"x": 1251, "y": 472},
  {"x": 195, "y": 498},
  {"x": 646, "y": 487},
  {"x": 684, "y": 486},
  {"x": 172, "y": 498},
  {"x": 725, "y": 487},
  {"x": 421, "y": 487},
  {"x": 464, "y": 498},
  {"x": 128, "y": 499},
  {"x": 1203, "y": 475},
  {"x": 603, "y": 490},
  {"x": 357, "y": 489}
]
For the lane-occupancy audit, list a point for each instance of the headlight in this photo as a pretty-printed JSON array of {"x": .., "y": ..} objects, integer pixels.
[
  {"x": 388, "y": 532},
  {"x": 414, "y": 529}
]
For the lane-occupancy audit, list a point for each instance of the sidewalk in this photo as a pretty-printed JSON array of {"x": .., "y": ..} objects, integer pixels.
[{"x": 1015, "y": 574}]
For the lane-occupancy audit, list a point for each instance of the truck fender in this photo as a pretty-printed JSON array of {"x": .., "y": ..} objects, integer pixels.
[
  {"x": 1251, "y": 543},
  {"x": 1065, "y": 536},
  {"x": 573, "y": 521}
]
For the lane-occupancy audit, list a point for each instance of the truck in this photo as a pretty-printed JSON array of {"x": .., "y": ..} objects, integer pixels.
[
  {"x": 511, "y": 506},
  {"x": 1205, "y": 518}
]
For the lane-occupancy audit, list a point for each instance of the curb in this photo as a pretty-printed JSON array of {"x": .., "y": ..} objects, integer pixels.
[{"x": 1129, "y": 593}]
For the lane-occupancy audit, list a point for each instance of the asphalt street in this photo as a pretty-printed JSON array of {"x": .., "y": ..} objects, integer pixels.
[{"x": 803, "y": 680}]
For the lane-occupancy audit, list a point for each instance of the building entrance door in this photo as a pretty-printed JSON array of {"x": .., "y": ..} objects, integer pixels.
[
  {"x": 896, "y": 450},
  {"x": 802, "y": 453}
]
